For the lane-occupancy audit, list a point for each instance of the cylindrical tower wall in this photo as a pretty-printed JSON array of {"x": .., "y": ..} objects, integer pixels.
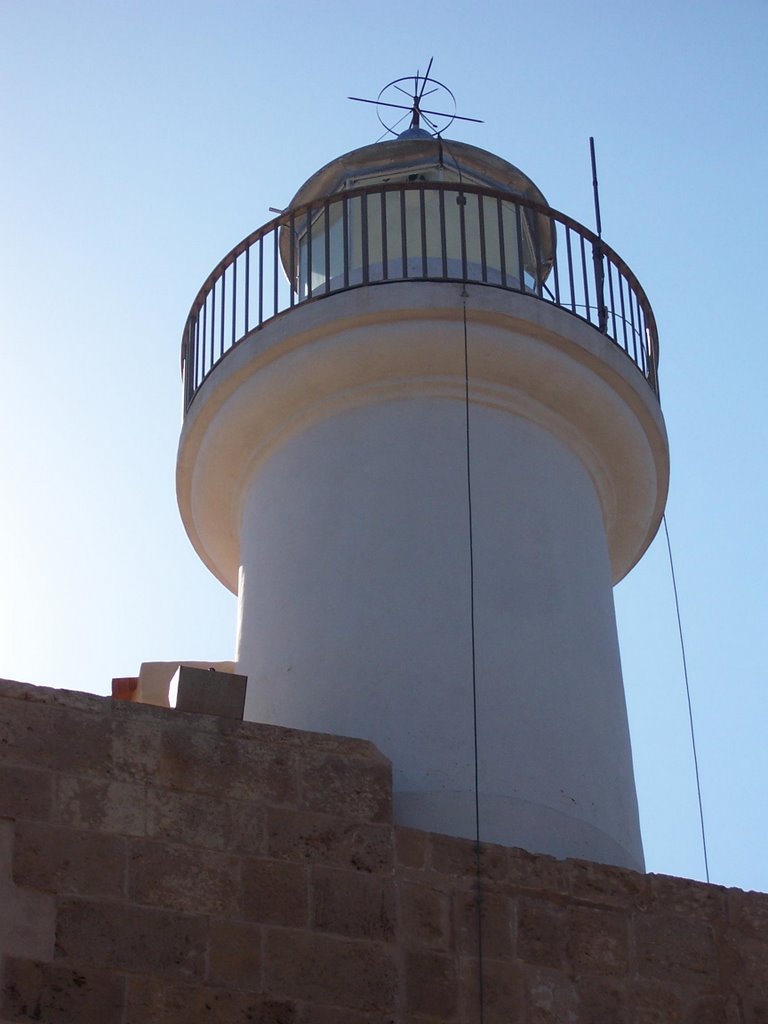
[{"x": 356, "y": 619}]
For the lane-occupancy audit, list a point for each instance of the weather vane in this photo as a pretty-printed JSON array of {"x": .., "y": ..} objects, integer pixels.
[{"x": 438, "y": 121}]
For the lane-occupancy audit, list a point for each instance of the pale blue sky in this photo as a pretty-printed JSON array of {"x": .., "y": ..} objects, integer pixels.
[{"x": 141, "y": 141}]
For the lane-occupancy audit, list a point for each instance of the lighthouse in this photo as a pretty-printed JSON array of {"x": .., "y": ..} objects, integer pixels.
[{"x": 422, "y": 440}]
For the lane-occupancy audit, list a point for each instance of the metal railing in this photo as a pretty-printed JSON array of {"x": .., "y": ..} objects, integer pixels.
[{"x": 421, "y": 231}]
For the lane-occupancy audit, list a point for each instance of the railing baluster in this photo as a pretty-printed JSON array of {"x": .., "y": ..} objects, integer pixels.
[
  {"x": 234, "y": 298},
  {"x": 537, "y": 254},
  {"x": 585, "y": 280},
  {"x": 555, "y": 262},
  {"x": 520, "y": 254},
  {"x": 403, "y": 234},
  {"x": 327, "y": 229},
  {"x": 275, "y": 273},
  {"x": 623, "y": 312},
  {"x": 461, "y": 200},
  {"x": 364, "y": 235},
  {"x": 443, "y": 239},
  {"x": 345, "y": 232},
  {"x": 423, "y": 219},
  {"x": 502, "y": 245},
  {"x": 202, "y": 361},
  {"x": 247, "y": 286},
  {"x": 309, "y": 253},
  {"x": 613, "y": 300},
  {"x": 293, "y": 245},
  {"x": 223, "y": 298},
  {"x": 481, "y": 230},
  {"x": 384, "y": 260},
  {"x": 632, "y": 325},
  {"x": 261, "y": 280}
]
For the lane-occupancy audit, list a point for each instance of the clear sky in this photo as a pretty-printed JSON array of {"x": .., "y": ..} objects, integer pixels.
[{"x": 140, "y": 141}]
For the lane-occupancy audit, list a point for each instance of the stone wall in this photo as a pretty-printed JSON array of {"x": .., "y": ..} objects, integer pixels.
[{"x": 162, "y": 868}]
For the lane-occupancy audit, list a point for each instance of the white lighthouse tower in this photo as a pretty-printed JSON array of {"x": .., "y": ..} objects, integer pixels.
[{"x": 422, "y": 441}]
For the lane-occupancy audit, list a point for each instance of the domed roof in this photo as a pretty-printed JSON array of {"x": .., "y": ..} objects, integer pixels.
[{"x": 415, "y": 150}]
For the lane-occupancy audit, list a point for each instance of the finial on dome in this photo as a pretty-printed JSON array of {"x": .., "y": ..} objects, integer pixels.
[{"x": 437, "y": 121}]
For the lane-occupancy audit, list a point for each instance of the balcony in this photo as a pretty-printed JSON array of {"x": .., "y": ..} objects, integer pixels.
[{"x": 416, "y": 231}]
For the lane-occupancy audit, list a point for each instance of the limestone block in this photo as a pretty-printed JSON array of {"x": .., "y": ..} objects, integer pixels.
[
  {"x": 410, "y": 847},
  {"x": 673, "y": 948},
  {"x": 275, "y": 892},
  {"x": 25, "y": 793},
  {"x": 330, "y": 970},
  {"x": 497, "y": 914},
  {"x": 208, "y": 692},
  {"x": 103, "y": 806},
  {"x": 64, "y": 860},
  {"x": 598, "y": 941},
  {"x": 541, "y": 932},
  {"x": 347, "y": 786},
  {"x": 504, "y": 995},
  {"x": 425, "y": 916},
  {"x": 321, "y": 839},
  {"x": 131, "y": 938},
  {"x": 236, "y": 764},
  {"x": 27, "y": 919},
  {"x": 353, "y": 903},
  {"x": 431, "y": 985},
  {"x": 54, "y": 994},
  {"x": 234, "y": 955},
  {"x": 178, "y": 878}
]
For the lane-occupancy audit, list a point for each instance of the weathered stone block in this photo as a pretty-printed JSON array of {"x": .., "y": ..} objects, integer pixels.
[
  {"x": 541, "y": 932},
  {"x": 135, "y": 742},
  {"x": 654, "y": 1003},
  {"x": 151, "y": 1001},
  {"x": 322, "y": 968},
  {"x": 536, "y": 871},
  {"x": 207, "y": 762},
  {"x": 321, "y": 839},
  {"x": 131, "y": 938},
  {"x": 173, "y": 876},
  {"x": 431, "y": 985},
  {"x": 25, "y": 793},
  {"x": 63, "y": 860},
  {"x": 552, "y": 998},
  {"x": 674, "y": 948},
  {"x": 275, "y": 892},
  {"x": 116, "y": 807},
  {"x": 207, "y": 692},
  {"x": 353, "y": 903},
  {"x": 52, "y": 994},
  {"x": 457, "y": 857},
  {"x": 503, "y": 992},
  {"x": 347, "y": 787},
  {"x": 604, "y": 885},
  {"x": 53, "y": 737},
  {"x": 602, "y": 999},
  {"x": 496, "y": 920},
  {"x": 234, "y": 955},
  {"x": 598, "y": 941},
  {"x": 411, "y": 847},
  {"x": 687, "y": 898},
  {"x": 205, "y": 821},
  {"x": 425, "y": 916},
  {"x": 27, "y": 918}
]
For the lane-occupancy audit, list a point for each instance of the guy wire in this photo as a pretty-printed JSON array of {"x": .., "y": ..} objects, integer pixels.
[
  {"x": 688, "y": 696},
  {"x": 478, "y": 879}
]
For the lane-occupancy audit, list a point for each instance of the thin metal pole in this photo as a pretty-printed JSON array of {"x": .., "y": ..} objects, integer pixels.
[{"x": 597, "y": 250}]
